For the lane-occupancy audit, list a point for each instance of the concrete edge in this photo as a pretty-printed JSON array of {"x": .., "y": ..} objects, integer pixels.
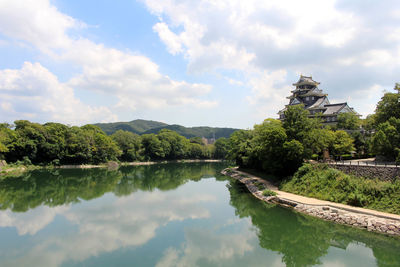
[{"x": 371, "y": 220}]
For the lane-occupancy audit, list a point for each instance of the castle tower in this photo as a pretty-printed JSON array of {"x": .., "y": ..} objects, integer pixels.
[{"x": 315, "y": 101}]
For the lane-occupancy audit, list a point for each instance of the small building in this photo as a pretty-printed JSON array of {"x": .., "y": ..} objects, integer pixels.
[{"x": 315, "y": 101}]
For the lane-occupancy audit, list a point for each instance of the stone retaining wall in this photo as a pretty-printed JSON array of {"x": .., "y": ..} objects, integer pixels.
[
  {"x": 381, "y": 172},
  {"x": 356, "y": 219}
]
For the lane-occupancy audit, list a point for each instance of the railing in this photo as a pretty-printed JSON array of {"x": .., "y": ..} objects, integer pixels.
[{"x": 365, "y": 163}]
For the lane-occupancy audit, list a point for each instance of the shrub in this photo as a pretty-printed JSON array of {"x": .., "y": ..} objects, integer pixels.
[
  {"x": 326, "y": 183},
  {"x": 268, "y": 193}
]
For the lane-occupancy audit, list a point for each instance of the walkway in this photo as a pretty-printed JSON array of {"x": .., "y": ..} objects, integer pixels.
[{"x": 340, "y": 213}]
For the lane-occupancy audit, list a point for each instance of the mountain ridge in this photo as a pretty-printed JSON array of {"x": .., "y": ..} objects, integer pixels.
[{"x": 140, "y": 127}]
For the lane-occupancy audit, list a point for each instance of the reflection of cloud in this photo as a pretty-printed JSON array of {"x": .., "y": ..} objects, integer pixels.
[
  {"x": 32, "y": 221},
  {"x": 204, "y": 244},
  {"x": 355, "y": 254},
  {"x": 128, "y": 221}
]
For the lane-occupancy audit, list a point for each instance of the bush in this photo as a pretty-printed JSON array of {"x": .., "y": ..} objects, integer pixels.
[
  {"x": 26, "y": 161},
  {"x": 326, "y": 183},
  {"x": 268, "y": 193}
]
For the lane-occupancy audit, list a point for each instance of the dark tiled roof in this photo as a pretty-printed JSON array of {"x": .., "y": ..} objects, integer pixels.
[{"x": 334, "y": 108}]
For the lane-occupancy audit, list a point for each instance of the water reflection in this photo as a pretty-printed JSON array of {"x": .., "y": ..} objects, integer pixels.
[
  {"x": 153, "y": 216},
  {"x": 62, "y": 186},
  {"x": 304, "y": 240}
]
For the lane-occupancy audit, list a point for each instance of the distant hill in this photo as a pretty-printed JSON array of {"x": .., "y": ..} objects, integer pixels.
[
  {"x": 146, "y": 127},
  {"x": 135, "y": 126}
]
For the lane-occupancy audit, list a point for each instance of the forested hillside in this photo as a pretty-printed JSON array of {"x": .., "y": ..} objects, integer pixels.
[
  {"x": 135, "y": 126},
  {"x": 146, "y": 127}
]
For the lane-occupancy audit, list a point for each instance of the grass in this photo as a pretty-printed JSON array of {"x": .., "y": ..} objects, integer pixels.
[
  {"x": 268, "y": 193},
  {"x": 322, "y": 182},
  {"x": 259, "y": 185}
]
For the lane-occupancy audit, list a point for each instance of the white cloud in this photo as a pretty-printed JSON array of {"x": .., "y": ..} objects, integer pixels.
[
  {"x": 269, "y": 91},
  {"x": 348, "y": 46},
  {"x": 32, "y": 221},
  {"x": 131, "y": 78},
  {"x": 123, "y": 222},
  {"x": 172, "y": 41},
  {"x": 206, "y": 244},
  {"x": 34, "y": 92},
  {"x": 36, "y": 22}
]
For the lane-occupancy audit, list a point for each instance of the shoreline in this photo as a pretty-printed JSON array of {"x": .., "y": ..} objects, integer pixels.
[
  {"x": 371, "y": 220},
  {"x": 112, "y": 165}
]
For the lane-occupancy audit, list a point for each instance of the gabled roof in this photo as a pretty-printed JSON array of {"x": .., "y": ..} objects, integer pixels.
[
  {"x": 305, "y": 80},
  {"x": 334, "y": 108},
  {"x": 314, "y": 92},
  {"x": 319, "y": 104}
]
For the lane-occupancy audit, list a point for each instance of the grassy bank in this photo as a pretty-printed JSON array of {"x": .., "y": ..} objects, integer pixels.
[{"x": 322, "y": 182}]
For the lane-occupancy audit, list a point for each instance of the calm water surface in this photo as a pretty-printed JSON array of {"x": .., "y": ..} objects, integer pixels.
[{"x": 167, "y": 215}]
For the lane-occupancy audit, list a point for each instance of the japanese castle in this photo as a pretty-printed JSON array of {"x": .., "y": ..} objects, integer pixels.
[{"x": 315, "y": 101}]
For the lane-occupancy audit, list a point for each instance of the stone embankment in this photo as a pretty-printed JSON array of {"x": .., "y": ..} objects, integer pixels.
[
  {"x": 384, "y": 173},
  {"x": 370, "y": 220}
]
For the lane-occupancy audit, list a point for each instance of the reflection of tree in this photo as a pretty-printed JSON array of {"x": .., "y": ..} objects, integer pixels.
[
  {"x": 53, "y": 188},
  {"x": 303, "y": 240},
  {"x": 63, "y": 186},
  {"x": 163, "y": 176}
]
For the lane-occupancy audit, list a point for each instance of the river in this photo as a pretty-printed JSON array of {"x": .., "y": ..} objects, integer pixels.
[{"x": 175, "y": 214}]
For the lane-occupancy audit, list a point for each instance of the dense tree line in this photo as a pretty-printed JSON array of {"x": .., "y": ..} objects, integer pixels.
[
  {"x": 281, "y": 147},
  {"x": 386, "y": 122},
  {"x": 55, "y": 143}
]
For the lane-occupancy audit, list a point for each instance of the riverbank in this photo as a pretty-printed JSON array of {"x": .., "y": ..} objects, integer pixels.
[
  {"x": 16, "y": 170},
  {"x": 370, "y": 220}
]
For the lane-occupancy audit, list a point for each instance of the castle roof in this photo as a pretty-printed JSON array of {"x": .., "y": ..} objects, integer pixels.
[{"x": 306, "y": 80}]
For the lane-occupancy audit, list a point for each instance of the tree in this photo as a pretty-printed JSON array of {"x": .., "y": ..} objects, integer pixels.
[
  {"x": 342, "y": 143},
  {"x": 348, "y": 121},
  {"x": 152, "y": 147},
  {"x": 221, "y": 148},
  {"x": 318, "y": 140},
  {"x": 386, "y": 141},
  {"x": 297, "y": 124},
  {"x": 388, "y": 106},
  {"x": 130, "y": 145},
  {"x": 54, "y": 147},
  {"x": 30, "y": 137},
  {"x": 240, "y": 147},
  {"x": 175, "y": 146},
  {"x": 7, "y": 137}
]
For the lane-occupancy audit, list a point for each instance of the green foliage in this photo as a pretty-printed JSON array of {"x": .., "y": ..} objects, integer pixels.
[
  {"x": 326, "y": 183},
  {"x": 148, "y": 127},
  {"x": 268, "y": 193},
  {"x": 348, "y": 121},
  {"x": 342, "y": 143},
  {"x": 389, "y": 106},
  {"x": 297, "y": 124},
  {"x": 130, "y": 145},
  {"x": 135, "y": 126},
  {"x": 240, "y": 149},
  {"x": 386, "y": 141},
  {"x": 319, "y": 139},
  {"x": 221, "y": 148}
]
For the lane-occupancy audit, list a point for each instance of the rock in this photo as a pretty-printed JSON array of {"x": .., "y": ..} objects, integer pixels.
[{"x": 325, "y": 208}]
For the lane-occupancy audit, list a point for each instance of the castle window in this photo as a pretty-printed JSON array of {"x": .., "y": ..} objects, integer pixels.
[
  {"x": 307, "y": 98},
  {"x": 312, "y": 98}
]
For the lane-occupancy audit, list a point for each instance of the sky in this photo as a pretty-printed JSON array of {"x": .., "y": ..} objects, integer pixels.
[{"x": 225, "y": 63}]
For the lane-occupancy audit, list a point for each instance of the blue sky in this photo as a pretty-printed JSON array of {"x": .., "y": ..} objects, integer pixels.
[{"x": 217, "y": 63}]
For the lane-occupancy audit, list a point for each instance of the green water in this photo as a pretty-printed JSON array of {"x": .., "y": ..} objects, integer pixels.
[{"x": 167, "y": 215}]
